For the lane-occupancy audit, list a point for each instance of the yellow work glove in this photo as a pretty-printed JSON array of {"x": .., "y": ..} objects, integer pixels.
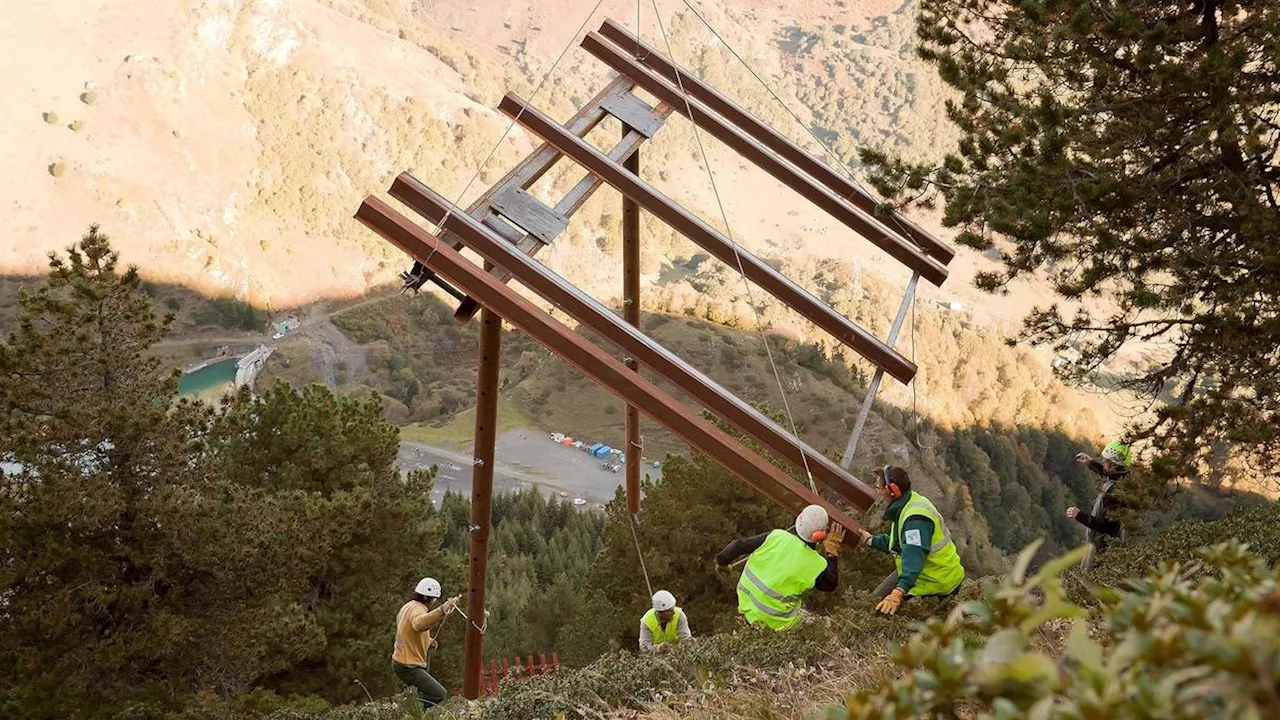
[
  {"x": 890, "y": 604},
  {"x": 451, "y": 604},
  {"x": 835, "y": 537}
]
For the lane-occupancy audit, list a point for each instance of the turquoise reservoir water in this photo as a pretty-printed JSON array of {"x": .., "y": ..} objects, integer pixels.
[{"x": 209, "y": 381}]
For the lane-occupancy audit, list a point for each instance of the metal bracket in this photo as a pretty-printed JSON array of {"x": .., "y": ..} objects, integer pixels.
[
  {"x": 633, "y": 112},
  {"x": 526, "y": 211}
]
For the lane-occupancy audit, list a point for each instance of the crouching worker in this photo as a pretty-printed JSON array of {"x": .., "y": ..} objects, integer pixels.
[
  {"x": 784, "y": 565},
  {"x": 926, "y": 559},
  {"x": 665, "y": 625},
  {"x": 413, "y": 641}
]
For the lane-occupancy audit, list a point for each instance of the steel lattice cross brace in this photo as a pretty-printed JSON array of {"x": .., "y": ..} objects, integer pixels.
[{"x": 507, "y": 226}]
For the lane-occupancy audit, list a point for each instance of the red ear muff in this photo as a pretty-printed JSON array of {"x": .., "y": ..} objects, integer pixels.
[
  {"x": 818, "y": 536},
  {"x": 894, "y": 490}
]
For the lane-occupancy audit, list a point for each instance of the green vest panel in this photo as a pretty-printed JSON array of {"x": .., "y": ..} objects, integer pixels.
[
  {"x": 671, "y": 633},
  {"x": 776, "y": 577},
  {"x": 942, "y": 571}
]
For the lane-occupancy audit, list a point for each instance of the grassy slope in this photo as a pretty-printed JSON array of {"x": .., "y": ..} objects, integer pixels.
[
  {"x": 457, "y": 432},
  {"x": 750, "y": 674}
]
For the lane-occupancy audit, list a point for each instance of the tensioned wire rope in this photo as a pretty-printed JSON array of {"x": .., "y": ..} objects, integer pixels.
[
  {"x": 511, "y": 125},
  {"x": 724, "y": 216},
  {"x": 830, "y": 153}
]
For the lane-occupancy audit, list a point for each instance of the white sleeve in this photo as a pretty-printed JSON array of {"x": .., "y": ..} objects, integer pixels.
[
  {"x": 682, "y": 628},
  {"x": 646, "y": 638}
]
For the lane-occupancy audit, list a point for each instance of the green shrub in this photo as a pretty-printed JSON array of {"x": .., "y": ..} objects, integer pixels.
[
  {"x": 89, "y": 98},
  {"x": 57, "y": 169},
  {"x": 51, "y": 118},
  {"x": 1193, "y": 640},
  {"x": 76, "y": 126},
  {"x": 626, "y": 680}
]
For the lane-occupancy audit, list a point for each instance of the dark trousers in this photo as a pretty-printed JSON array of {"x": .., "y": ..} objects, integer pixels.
[
  {"x": 430, "y": 691},
  {"x": 887, "y": 585}
]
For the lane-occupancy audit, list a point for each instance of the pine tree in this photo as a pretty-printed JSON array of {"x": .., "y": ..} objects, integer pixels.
[
  {"x": 1132, "y": 151},
  {"x": 154, "y": 550}
]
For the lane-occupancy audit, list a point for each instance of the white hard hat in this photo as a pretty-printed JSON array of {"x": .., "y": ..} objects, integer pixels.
[
  {"x": 429, "y": 587},
  {"x": 810, "y": 522},
  {"x": 663, "y": 600}
]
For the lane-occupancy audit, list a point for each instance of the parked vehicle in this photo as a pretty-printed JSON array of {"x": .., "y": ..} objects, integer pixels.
[{"x": 579, "y": 502}]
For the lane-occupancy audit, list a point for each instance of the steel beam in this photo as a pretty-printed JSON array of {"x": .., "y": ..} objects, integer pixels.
[
  {"x": 586, "y": 310},
  {"x": 775, "y": 141},
  {"x": 904, "y": 251},
  {"x": 710, "y": 239},
  {"x": 609, "y": 372},
  {"x": 481, "y": 497},
  {"x": 631, "y": 312},
  {"x": 907, "y": 298}
]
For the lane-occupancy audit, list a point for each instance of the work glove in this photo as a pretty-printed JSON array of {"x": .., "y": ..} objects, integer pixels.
[
  {"x": 451, "y": 604},
  {"x": 864, "y": 538},
  {"x": 835, "y": 537},
  {"x": 890, "y": 604}
]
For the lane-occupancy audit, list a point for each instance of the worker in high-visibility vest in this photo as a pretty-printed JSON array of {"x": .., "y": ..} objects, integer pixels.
[
  {"x": 665, "y": 625},
  {"x": 1102, "y": 523},
  {"x": 782, "y": 566},
  {"x": 926, "y": 559}
]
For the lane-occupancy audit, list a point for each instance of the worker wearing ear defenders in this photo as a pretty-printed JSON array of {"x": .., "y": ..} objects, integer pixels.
[
  {"x": 926, "y": 559},
  {"x": 784, "y": 565}
]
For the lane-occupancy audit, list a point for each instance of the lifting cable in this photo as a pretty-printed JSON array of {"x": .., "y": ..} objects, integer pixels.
[
  {"x": 848, "y": 172},
  {"x": 449, "y": 210},
  {"x": 640, "y": 554},
  {"x": 697, "y": 134},
  {"x": 831, "y": 153}
]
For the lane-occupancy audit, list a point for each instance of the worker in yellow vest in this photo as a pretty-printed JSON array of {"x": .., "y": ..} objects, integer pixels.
[
  {"x": 926, "y": 559},
  {"x": 665, "y": 625},
  {"x": 782, "y": 566}
]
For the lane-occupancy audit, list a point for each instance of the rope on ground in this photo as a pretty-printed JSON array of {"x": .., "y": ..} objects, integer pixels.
[
  {"x": 640, "y": 555},
  {"x": 454, "y": 205},
  {"x": 724, "y": 216}
]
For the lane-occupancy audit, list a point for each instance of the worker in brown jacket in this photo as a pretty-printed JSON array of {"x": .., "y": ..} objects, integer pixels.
[{"x": 413, "y": 640}]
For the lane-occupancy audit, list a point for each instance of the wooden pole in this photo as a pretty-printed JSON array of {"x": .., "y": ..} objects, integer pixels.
[
  {"x": 631, "y": 313},
  {"x": 481, "y": 497}
]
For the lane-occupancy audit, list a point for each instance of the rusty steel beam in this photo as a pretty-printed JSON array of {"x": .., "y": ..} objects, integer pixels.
[
  {"x": 609, "y": 372},
  {"x": 631, "y": 312},
  {"x": 774, "y": 140},
  {"x": 486, "y": 435},
  {"x": 872, "y": 229},
  {"x": 710, "y": 239},
  {"x": 647, "y": 351}
]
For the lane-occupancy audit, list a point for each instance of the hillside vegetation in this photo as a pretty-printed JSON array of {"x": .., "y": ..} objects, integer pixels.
[{"x": 1182, "y": 626}]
